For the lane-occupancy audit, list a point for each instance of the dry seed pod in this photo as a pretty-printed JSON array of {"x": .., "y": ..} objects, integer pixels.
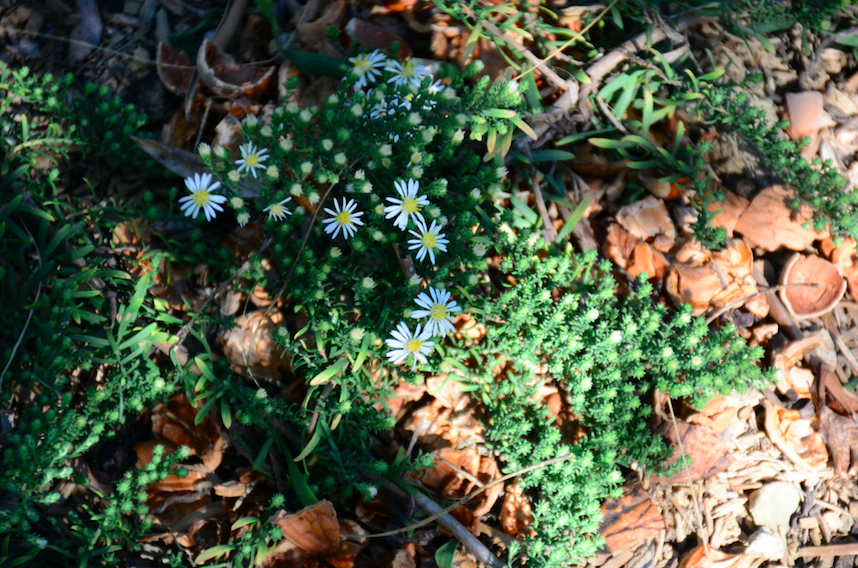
[{"x": 808, "y": 301}]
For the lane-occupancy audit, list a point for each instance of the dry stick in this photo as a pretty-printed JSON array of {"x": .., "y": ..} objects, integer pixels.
[
  {"x": 549, "y": 73},
  {"x": 458, "y": 503},
  {"x": 603, "y": 106},
  {"x": 576, "y": 37},
  {"x": 183, "y": 333},
  {"x": 550, "y": 232},
  {"x": 229, "y": 24},
  {"x": 843, "y": 549},
  {"x": 704, "y": 538},
  {"x": 741, "y": 301}
]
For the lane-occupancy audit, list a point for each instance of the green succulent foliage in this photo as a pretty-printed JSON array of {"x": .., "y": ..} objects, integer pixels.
[
  {"x": 608, "y": 355},
  {"x": 94, "y": 120}
]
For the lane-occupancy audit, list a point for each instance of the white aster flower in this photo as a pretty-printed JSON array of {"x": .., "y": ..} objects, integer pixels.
[
  {"x": 458, "y": 136},
  {"x": 306, "y": 115},
  {"x": 292, "y": 107},
  {"x": 306, "y": 168},
  {"x": 480, "y": 249},
  {"x": 272, "y": 172},
  {"x": 243, "y": 218},
  {"x": 236, "y": 202},
  {"x": 437, "y": 305},
  {"x": 367, "y": 283},
  {"x": 335, "y": 252},
  {"x": 406, "y": 73},
  {"x": 251, "y": 158},
  {"x": 286, "y": 144},
  {"x": 220, "y": 152},
  {"x": 476, "y": 193},
  {"x": 333, "y": 99},
  {"x": 313, "y": 198},
  {"x": 277, "y": 211},
  {"x": 261, "y": 393},
  {"x": 436, "y": 87},
  {"x": 367, "y": 67},
  {"x": 250, "y": 120},
  {"x": 356, "y": 110},
  {"x": 501, "y": 172},
  {"x": 327, "y": 144},
  {"x": 343, "y": 217},
  {"x": 417, "y": 172},
  {"x": 205, "y": 150},
  {"x": 408, "y": 206},
  {"x": 233, "y": 176},
  {"x": 340, "y": 159},
  {"x": 360, "y": 174},
  {"x": 356, "y": 334},
  {"x": 404, "y": 344},
  {"x": 385, "y": 150},
  {"x": 201, "y": 197},
  {"x": 428, "y": 241},
  {"x": 473, "y": 279},
  {"x": 266, "y": 131},
  {"x": 415, "y": 279},
  {"x": 416, "y": 157},
  {"x": 296, "y": 190},
  {"x": 377, "y": 235}
]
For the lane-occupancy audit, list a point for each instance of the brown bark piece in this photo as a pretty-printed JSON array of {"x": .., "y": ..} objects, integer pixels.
[
  {"x": 769, "y": 223},
  {"x": 631, "y": 519},
  {"x": 714, "y": 558},
  {"x": 709, "y": 456}
]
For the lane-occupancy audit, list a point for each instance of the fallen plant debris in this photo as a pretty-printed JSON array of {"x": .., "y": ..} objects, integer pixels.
[{"x": 428, "y": 283}]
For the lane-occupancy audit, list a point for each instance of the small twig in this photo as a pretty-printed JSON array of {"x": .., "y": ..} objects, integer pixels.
[
  {"x": 549, "y": 73},
  {"x": 459, "y": 502},
  {"x": 741, "y": 301},
  {"x": 603, "y": 106},
  {"x": 183, "y": 333},
  {"x": 229, "y": 24},
  {"x": 550, "y": 232},
  {"x": 704, "y": 538}
]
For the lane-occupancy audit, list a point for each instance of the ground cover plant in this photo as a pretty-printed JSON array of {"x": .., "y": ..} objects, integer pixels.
[{"x": 331, "y": 297}]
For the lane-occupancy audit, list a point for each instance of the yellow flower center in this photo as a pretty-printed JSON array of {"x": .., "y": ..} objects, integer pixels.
[
  {"x": 414, "y": 345},
  {"x": 410, "y": 205},
  {"x": 408, "y": 70},
  {"x": 343, "y": 218},
  {"x": 429, "y": 240},
  {"x": 201, "y": 198},
  {"x": 276, "y": 209},
  {"x": 252, "y": 160},
  {"x": 362, "y": 63},
  {"x": 438, "y": 312}
]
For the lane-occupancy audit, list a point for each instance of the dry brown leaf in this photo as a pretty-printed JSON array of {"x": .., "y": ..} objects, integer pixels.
[
  {"x": 806, "y": 301},
  {"x": 174, "y": 421},
  {"x": 312, "y": 531},
  {"x": 631, "y": 519},
  {"x": 516, "y": 515},
  {"x": 712, "y": 280},
  {"x": 250, "y": 346},
  {"x": 798, "y": 438},
  {"x": 805, "y": 113},
  {"x": 368, "y": 34},
  {"x": 193, "y": 481},
  {"x": 841, "y": 435},
  {"x": 769, "y": 223},
  {"x": 648, "y": 220},
  {"x": 845, "y": 259},
  {"x": 714, "y": 558},
  {"x": 709, "y": 456},
  {"x": 634, "y": 255},
  {"x": 716, "y": 415},
  {"x": 175, "y": 69},
  {"x": 312, "y": 26},
  {"x": 730, "y": 209},
  {"x": 220, "y": 73}
]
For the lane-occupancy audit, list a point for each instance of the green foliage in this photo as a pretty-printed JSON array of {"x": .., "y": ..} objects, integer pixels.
[
  {"x": 563, "y": 324},
  {"x": 93, "y": 120}
]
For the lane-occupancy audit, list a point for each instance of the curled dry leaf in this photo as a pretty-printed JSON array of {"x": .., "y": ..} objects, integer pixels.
[
  {"x": 806, "y": 301},
  {"x": 220, "y": 73},
  {"x": 709, "y": 456},
  {"x": 194, "y": 481},
  {"x": 716, "y": 415},
  {"x": 312, "y": 26},
  {"x": 516, "y": 516},
  {"x": 250, "y": 346},
  {"x": 228, "y": 135},
  {"x": 631, "y": 519},
  {"x": 798, "y": 438},
  {"x": 769, "y": 223},
  {"x": 845, "y": 259},
  {"x": 648, "y": 220},
  {"x": 175, "y": 69},
  {"x": 174, "y": 421},
  {"x": 312, "y": 531},
  {"x": 634, "y": 255},
  {"x": 805, "y": 113},
  {"x": 371, "y": 35},
  {"x": 841, "y": 435},
  {"x": 714, "y": 558},
  {"x": 705, "y": 279},
  {"x": 729, "y": 211}
]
